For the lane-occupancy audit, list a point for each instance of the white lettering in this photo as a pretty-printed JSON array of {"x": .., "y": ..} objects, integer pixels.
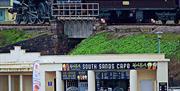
[
  {"x": 120, "y": 66},
  {"x": 89, "y": 66},
  {"x": 106, "y": 66}
]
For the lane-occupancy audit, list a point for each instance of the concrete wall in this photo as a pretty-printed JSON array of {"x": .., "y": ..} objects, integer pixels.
[
  {"x": 78, "y": 29},
  {"x": 3, "y": 83},
  {"x": 50, "y": 76},
  {"x": 145, "y": 75}
]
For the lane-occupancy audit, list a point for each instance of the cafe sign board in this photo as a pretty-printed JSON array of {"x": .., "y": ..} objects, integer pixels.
[{"x": 109, "y": 66}]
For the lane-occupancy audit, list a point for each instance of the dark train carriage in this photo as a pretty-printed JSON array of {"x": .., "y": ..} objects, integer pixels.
[
  {"x": 135, "y": 3},
  {"x": 152, "y": 4},
  {"x": 115, "y": 11}
]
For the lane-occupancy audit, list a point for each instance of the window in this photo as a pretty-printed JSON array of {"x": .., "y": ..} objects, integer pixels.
[
  {"x": 4, "y": 2},
  {"x": 1, "y": 13},
  {"x": 125, "y": 2}
]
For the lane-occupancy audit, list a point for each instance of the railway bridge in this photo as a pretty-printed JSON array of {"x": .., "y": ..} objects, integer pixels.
[{"x": 74, "y": 19}]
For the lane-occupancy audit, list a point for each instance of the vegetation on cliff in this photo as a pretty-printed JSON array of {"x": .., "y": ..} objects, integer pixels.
[
  {"x": 113, "y": 43},
  {"x": 12, "y": 36}
]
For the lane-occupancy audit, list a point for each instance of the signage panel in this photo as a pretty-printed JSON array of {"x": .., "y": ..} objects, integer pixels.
[
  {"x": 74, "y": 75},
  {"x": 162, "y": 86},
  {"x": 15, "y": 69},
  {"x": 49, "y": 83},
  {"x": 112, "y": 75},
  {"x": 109, "y": 66}
]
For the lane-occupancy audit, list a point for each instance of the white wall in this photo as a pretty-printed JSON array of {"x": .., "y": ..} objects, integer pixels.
[
  {"x": 18, "y": 55},
  {"x": 103, "y": 58},
  {"x": 162, "y": 73},
  {"x": 50, "y": 67},
  {"x": 47, "y": 67}
]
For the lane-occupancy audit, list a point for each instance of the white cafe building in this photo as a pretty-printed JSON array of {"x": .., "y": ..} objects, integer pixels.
[{"x": 107, "y": 72}]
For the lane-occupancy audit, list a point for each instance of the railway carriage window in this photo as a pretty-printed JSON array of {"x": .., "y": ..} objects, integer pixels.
[
  {"x": 125, "y": 2},
  {"x": 95, "y": 6},
  {"x": 4, "y": 2},
  {"x": 1, "y": 14}
]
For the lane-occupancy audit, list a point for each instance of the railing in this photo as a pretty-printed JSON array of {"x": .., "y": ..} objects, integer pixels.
[
  {"x": 68, "y": 1},
  {"x": 75, "y": 9}
]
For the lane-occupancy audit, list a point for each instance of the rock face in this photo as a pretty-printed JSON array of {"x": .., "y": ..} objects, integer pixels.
[
  {"x": 54, "y": 42},
  {"x": 174, "y": 73},
  {"x": 46, "y": 44}
]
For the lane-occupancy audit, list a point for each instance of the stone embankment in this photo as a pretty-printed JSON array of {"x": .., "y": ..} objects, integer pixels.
[{"x": 144, "y": 29}]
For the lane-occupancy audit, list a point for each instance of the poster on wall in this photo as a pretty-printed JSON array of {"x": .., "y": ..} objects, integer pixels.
[{"x": 36, "y": 77}]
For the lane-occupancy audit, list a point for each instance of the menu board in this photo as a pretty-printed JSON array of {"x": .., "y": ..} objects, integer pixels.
[
  {"x": 112, "y": 75},
  {"x": 74, "y": 75},
  {"x": 68, "y": 75},
  {"x": 162, "y": 86}
]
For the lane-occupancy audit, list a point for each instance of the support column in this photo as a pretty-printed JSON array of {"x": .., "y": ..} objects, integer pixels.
[
  {"x": 9, "y": 82},
  {"x": 91, "y": 80},
  {"x": 162, "y": 74},
  {"x": 59, "y": 82},
  {"x": 43, "y": 81},
  {"x": 21, "y": 82},
  {"x": 133, "y": 80}
]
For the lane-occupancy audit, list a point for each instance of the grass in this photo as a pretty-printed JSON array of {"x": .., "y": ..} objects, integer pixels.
[
  {"x": 12, "y": 36},
  {"x": 106, "y": 43}
]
